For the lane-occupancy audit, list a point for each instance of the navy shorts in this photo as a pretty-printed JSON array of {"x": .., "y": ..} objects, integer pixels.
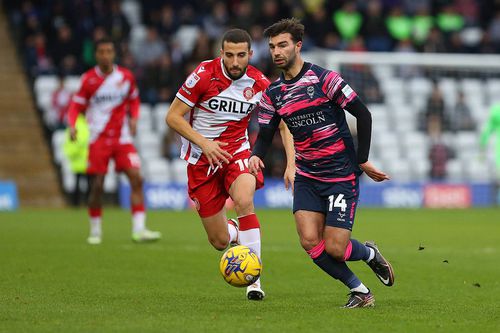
[{"x": 338, "y": 201}]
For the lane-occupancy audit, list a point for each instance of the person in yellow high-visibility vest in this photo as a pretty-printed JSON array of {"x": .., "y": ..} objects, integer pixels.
[{"x": 77, "y": 152}]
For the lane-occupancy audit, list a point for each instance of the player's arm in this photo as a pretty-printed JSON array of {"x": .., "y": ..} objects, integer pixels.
[
  {"x": 286, "y": 137},
  {"x": 134, "y": 103},
  {"x": 364, "y": 126},
  {"x": 211, "y": 149},
  {"x": 78, "y": 105},
  {"x": 490, "y": 125}
]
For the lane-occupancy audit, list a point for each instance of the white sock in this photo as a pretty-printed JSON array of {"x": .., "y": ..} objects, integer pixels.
[
  {"x": 95, "y": 226},
  {"x": 372, "y": 254},
  {"x": 251, "y": 238},
  {"x": 361, "y": 289},
  {"x": 138, "y": 221},
  {"x": 233, "y": 233}
]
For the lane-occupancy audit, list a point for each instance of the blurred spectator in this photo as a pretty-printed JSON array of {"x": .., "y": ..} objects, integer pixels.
[
  {"x": 149, "y": 50},
  {"x": 215, "y": 24},
  {"x": 348, "y": 21},
  {"x": 243, "y": 17},
  {"x": 492, "y": 126},
  {"x": 462, "y": 118},
  {"x": 494, "y": 31},
  {"x": 76, "y": 152},
  {"x": 318, "y": 25},
  {"x": 65, "y": 45},
  {"x": 168, "y": 23},
  {"x": 421, "y": 25},
  {"x": 434, "y": 111},
  {"x": 38, "y": 61},
  {"x": 116, "y": 23},
  {"x": 374, "y": 28},
  {"x": 88, "y": 46},
  {"x": 439, "y": 152},
  {"x": 399, "y": 24},
  {"x": 435, "y": 42},
  {"x": 448, "y": 20},
  {"x": 61, "y": 97}
]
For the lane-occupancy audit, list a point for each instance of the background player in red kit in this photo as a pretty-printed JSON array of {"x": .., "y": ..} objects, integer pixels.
[
  {"x": 109, "y": 97},
  {"x": 219, "y": 96}
]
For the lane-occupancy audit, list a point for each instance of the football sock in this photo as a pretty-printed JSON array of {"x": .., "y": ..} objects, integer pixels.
[
  {"x": 356, "y": 251},
  {"x": 233, "y": 232},
  {"x": 138, "y": 218},
  {"x": 361, "y": 289},
  {"x": 95, "y": 218},
  {"x": 336, "y": 269},
  {"x": 249, "y": 234}
]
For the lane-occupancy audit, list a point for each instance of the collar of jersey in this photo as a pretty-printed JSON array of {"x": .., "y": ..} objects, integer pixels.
[
  {"x": 305, "y": 68},
  {"x": 101, "y": 74}
]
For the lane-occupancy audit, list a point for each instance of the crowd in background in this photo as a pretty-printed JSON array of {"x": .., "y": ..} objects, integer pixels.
[{"x": 57, "y": 37}]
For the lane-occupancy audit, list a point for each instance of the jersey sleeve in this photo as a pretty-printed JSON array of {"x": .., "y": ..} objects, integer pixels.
[
  {"x": 194, "y": 86},
  {"x": 268, "y": 116},
  {"x": 337, "y": 90},
  {"x": 133, "y": 98},
  {"x": 79, "y": 102}
]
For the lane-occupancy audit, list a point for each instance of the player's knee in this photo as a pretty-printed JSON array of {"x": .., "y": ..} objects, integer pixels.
[
  {"x": 335, "y": 250},
  {"x": 243, "y": 204},
  {"x": 136, "y": 182},
  {"x": 309, "y": 242},
  {"x": 219, "y": 243}
]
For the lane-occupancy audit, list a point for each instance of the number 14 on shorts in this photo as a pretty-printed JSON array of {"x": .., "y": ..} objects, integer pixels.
[{"x": 338, "y": 202}]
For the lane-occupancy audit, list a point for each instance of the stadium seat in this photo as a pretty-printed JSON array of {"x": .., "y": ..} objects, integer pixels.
[
  {"x": 72, "y": 83},
  {"x": 419, "y": 168},
  {"x": 454, "y": 170},
  {"x": 157, "y": 170},
  {"x": 58, "y": 139},
  {"x": 179, "y": 173},
  {"x": 45, "y": 83},
  {"x": 159, "y": 113},
  {"x": 133, "y": 11}
]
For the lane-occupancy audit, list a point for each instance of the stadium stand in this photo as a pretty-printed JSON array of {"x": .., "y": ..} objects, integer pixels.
[
  {"x": 162, "y": 42},
  {"x": 24, "y": 156}
]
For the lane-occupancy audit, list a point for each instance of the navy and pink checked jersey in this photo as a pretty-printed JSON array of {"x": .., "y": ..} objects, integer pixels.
[{"x": 311, "y": 104}]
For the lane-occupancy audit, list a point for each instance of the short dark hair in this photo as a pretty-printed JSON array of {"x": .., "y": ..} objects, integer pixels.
[
  {"x": 290, "y": 25},
  {"x": 237, "y": 36},
  {"x": 105, "y": 40}
]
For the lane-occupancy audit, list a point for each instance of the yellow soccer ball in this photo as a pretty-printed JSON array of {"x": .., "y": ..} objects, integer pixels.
[{"x": 240, "y": 266}]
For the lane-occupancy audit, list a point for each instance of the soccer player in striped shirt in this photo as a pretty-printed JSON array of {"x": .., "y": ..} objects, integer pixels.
[{"x": 311, "y": 101}]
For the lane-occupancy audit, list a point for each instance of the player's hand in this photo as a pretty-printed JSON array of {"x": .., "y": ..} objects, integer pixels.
[
  {"x": 289, "y": 177},
  {"x": 72, "y": 134},
  {"x": 132, "y": 123},
  {"x": 215, "y": 154},
  {"x": 255, "y": 165},
  {"x": 372, "y": 172}
]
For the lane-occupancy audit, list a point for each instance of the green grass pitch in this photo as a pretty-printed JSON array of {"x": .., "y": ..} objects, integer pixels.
[{"x": 52, "y": 281}]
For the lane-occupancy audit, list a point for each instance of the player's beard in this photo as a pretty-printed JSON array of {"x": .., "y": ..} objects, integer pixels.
[
  {"x": 233, "y": 77},
  {"x": 289, "y": 62}
]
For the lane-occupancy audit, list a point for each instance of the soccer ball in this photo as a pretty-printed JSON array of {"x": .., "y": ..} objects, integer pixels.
[{"x": 240, "y": 266}]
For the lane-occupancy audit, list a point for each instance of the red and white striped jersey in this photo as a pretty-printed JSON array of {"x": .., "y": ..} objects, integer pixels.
[
  {"x": 221, "y": 107},
  {"x": 106, "y": 100}
]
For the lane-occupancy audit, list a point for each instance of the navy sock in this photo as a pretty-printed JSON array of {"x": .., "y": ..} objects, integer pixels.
[
  {"x": 359, "y": 251},
  {"x": 337, "y": 270}
]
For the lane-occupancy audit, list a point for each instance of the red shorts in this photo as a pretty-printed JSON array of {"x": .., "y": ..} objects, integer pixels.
[
  {"x": 209, "y": 191},
  {"x": 100, "y": 153}
]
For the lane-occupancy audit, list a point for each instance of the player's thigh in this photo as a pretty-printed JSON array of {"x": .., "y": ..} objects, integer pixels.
[
  {"x": 206, "y": 191},
  {"x": 216, "y": 226},
  {"x": 126, "y": 157},
  {"x": 239, "y": 166},
  {"x": 98, "y": 159},
  {"x": 242, "y": 190}
]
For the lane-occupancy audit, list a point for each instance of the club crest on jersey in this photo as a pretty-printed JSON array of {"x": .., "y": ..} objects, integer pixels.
[
  {"x": 310, "y": 91},
  {"x": 248, "y": 93},
  {"x": 192, "y": 80}
]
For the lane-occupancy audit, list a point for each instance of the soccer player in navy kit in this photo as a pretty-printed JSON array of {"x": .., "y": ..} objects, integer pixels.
[{"x": 311, "y": 101}]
